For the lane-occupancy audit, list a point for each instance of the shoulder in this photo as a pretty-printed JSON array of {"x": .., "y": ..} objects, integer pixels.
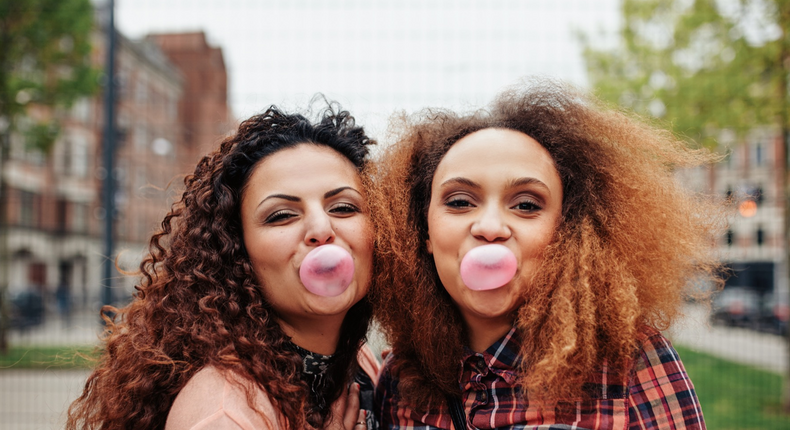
[
  {"x": 213, "y": 399},
  {"x": 660, "y": 390},
  {"x": 656, "y": 353}
]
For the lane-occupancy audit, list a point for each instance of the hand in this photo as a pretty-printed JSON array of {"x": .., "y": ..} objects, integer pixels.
[{"x": 345, "y": 413}]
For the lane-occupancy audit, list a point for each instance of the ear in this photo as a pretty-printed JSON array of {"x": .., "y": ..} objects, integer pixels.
[{"x": 429, "y": 246}]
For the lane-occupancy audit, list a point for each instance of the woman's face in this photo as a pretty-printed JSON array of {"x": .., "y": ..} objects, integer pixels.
[
  {"x": 494, "y": 186},
  {"x": 296, "y": 200}
]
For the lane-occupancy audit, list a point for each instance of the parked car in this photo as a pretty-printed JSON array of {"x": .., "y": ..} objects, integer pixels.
[
  {"x": 737, "y": 306},
  {"x": 26, "y": 309},
  {"x": 774, "y": 315}
]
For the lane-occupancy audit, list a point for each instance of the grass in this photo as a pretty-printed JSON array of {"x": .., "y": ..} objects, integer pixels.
[
  {"x": 47, "y": 357},
  {"x": 734, "y": 396}
]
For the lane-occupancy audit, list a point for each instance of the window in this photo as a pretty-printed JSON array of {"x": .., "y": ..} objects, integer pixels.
[
  {"x": 141, "y": 89},
  {"x": 79, "y": 217},
  {"x": 758, "y": 154},
  {"x": 76, "y": 162},
  {"x": 61, "y": 215},
  {"x": 37, "y": 274},
  {"x": 27, "y": 209},
  {"x": 733, "y": 159},
  {"x": 730, "y": 237},
  {"x": 81, "y": 111},
  {"x": 760, "y": 238},
  {"x": 758, "y": 195},
  {"x": 140, "y": 137}
]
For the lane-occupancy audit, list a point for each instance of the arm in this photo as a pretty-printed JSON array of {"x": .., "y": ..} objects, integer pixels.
[
  {"x": 661, "y": 395},
  {"x": 211, "y": 401}
]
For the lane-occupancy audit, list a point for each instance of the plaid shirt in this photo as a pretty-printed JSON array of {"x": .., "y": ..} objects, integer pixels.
[{"x": 658, "y": 395}]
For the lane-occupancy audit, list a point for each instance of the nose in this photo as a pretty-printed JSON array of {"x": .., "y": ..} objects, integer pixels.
[
  {"x": 490, "y": 226},
  {"x": 319, "y": 230}
]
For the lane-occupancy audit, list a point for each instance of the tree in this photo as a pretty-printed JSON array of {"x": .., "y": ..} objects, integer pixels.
[
  {"x": 703, "y": 66},
  {"x": 44, "y": 58},
  {"x": 44, "y": 62}
]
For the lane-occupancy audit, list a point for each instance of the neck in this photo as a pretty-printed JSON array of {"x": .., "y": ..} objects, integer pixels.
[
  {"x": 483, "y": 332},
  {"x": 319, "y": 335}
]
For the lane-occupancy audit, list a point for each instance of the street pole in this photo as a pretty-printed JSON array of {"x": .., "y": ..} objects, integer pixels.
[
  {"x": 784, "y": 67},
  {"x": 109, "y": 160},
  {"x": 5, "y": 142}
]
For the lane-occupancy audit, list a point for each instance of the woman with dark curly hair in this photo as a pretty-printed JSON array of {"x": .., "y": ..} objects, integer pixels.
[
  {"x": 251, "y": 310},
  {"x": 532, "y": 254}
]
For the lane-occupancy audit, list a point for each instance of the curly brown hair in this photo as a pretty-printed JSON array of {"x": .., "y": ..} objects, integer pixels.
[
  {"x": 630, "y": 243},
  {"x": 198, "y": 302}
]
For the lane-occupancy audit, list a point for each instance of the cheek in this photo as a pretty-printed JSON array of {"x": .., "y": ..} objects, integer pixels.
[
  {"x": 359, "y": 236},
  {"x": 541, "y": 238}
]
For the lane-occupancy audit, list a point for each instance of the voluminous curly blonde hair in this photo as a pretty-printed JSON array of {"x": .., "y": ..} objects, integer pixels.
[{"x": 631, "y": 243}]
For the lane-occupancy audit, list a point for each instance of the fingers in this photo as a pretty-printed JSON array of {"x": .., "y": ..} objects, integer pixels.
[
  {"x": 345, "y": 413},
  {"x": 361, "y": 421},
  {"x": 337, "y": 419},
  {"x": 351, "y": 413}
]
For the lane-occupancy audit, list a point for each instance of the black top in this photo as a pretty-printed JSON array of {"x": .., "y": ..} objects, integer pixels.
[{"x": 314, "y": 374}]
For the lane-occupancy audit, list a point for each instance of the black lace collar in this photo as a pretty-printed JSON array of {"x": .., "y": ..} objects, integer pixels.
[
  {"x": 313, "y": 362},
  {"x": 314, "y": 368}
]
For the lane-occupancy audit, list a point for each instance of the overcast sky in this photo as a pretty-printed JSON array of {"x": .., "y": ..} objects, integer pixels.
[{"x": 377, "y": 57}]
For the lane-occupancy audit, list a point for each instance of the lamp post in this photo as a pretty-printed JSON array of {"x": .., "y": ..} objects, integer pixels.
[{"x": 108, "y": 194}]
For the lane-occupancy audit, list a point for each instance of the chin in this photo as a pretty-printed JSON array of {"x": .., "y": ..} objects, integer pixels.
[
  {"x": 494, "y": 307},
  {"x": 333, "y": 305}
]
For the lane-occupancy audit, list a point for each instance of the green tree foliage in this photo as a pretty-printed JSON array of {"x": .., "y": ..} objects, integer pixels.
[
  {"x": 699, "y": 65},
  {"x": 45, "y": 48}
]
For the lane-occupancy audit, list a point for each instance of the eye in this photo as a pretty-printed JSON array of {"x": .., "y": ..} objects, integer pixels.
[
  {"x": 279, "y": 216},
  {"x": 344, "y": 209},
  {"x": 527, "y": 206},
  {"x": 458, "y": 203}
]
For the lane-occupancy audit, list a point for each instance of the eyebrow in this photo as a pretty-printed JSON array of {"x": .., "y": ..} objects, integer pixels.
[
  {"x": 519, "y": 182},
  {"x": 337, "y": 191},
  {"x": 528, "y": 181},
  {"x": 461, "y": 181},
  {"x": 290, "y": 198}
]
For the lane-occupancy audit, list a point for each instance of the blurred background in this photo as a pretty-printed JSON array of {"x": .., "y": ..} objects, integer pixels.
[{"x": 106, "y": 105}]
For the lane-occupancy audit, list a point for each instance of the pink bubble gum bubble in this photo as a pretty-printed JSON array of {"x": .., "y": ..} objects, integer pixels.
[
  {"x": 327, "y": 270},
  {"x": 488, "y": 267}
]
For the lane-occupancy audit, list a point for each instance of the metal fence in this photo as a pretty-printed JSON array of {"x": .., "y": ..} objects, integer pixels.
[{"x": 394, "y": 56}]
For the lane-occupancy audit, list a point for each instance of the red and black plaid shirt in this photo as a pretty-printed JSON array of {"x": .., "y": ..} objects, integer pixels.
[{"x": 658, "y": 395}]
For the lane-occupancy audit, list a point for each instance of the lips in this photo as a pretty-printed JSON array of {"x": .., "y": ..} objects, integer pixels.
[
  {"x": 327, "y": 270},
  {"x": 488, "y": 267}
]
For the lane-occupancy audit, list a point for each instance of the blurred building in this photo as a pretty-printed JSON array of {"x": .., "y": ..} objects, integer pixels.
[
  {"x": 203, "y": 111},
  {"x": 751, "y": 175},
  {"x": 169, "y": 112}
]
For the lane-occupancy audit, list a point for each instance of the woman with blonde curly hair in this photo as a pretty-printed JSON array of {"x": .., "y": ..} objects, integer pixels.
[
  {"x": 532, "y": 254},
  {"x": 238, "y": 322}
]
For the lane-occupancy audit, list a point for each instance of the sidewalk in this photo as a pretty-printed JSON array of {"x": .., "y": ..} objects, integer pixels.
[
  {"x": 83, "y": 328},
  {"x": 765, "y": 351}
]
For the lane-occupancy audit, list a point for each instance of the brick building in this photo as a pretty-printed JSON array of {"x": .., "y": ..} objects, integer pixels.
[
  {"x": 203, "y": 111},
  {"x": 751, "y": 174},
  {"x": 167, "y": 116}
]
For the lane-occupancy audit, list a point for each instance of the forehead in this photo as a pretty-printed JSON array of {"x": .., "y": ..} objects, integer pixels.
[
  {"x": 305, "y": 165},
  {"x": 498, "y": 152}
]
